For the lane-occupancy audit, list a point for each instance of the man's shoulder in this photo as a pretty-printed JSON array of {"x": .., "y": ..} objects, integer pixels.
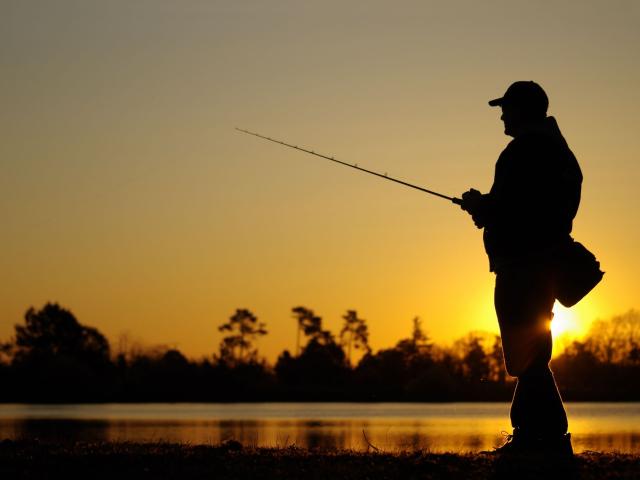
[
  {"x": 543, "y": 135},
  {"x": 536, "y": 146},
  {"x": 517, "y": 148}
]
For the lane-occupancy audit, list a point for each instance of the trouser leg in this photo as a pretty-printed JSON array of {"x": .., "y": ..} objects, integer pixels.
[
  {"x": 524, "y": 300},
  {"x": 537, "y": 407}
]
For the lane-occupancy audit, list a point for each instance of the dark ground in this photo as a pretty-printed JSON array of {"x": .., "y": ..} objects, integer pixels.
[{"x": 116, "y": 461}]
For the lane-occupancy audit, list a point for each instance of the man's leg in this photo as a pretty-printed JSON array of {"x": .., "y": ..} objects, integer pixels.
[
  {"x": 524, "y": 301},
  {"x": 537, "y": 406}
]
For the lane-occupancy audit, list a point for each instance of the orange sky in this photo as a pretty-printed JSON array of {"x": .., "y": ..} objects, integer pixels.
[{"x": 127, "y": 196}]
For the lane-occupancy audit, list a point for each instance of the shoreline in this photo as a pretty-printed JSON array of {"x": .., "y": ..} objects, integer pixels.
[{"x": 232, "y": 460}]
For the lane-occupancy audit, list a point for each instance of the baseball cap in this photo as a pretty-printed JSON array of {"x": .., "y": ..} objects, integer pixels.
[{"x": 525, "y": 94}]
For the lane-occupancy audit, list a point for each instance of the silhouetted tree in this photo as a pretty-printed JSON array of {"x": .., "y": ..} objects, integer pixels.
[
  {"x": 354, "y": 333},
  {"x": 54, "y": 358},
  {"x": 54, "y": 331},
  {"x": 416, "y": 349},
  {"x": 6, "y": 352},
  {"x": 475, "y": 362},
  {"x": 309, "y": 324},
  {"x": 616, "y": 340},
  {"x": 418, "y": 336},
  {"x": 382, "y": 375},
  {"x": 320, "y": 370},
  {"x": 498, "y": 372},
  {"x": 128, "y": 348},
  {"x": 634, "y": 354},
  {"x": 577, "y": 370},
  {"x": 239, "y": 346},
  {"x": 417, "y": 343},
  {"x": 58, "y": 359}
]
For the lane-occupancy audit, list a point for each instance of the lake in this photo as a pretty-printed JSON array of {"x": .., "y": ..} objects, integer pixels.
[{"x": 440, "y": 427}]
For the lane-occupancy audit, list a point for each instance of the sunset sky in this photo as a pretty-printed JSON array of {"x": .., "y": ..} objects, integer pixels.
[{"x": 127, "y": 196}]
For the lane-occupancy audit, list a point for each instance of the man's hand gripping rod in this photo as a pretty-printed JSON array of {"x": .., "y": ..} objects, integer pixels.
[{"x": 457, "y": 201}]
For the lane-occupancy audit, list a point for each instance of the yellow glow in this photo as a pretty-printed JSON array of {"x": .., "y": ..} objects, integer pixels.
[{"x": 564, "y": 322}]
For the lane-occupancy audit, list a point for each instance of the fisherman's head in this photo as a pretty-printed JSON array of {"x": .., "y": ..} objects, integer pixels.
[{"x": 523, "y": 103}]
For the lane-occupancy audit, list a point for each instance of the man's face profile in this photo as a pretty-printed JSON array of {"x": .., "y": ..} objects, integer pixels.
[{"x": 511, "y": 120}]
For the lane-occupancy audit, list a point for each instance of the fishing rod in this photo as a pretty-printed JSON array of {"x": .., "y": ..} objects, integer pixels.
[{"x": 457, "y": 201}]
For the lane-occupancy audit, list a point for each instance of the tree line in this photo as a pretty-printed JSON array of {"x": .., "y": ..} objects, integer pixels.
[{"x": 54, "y": 358}]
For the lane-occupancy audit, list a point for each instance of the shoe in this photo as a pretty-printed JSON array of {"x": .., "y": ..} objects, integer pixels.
[
  {"x": 514, "y": 444},
  {"x": 520, "y": 444}
]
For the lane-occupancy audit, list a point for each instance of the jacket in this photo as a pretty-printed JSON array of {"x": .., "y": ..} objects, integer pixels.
[{"x": 534, "y": 198}]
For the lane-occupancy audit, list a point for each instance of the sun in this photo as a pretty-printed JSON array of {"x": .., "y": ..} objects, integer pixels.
[{"x": 564, "y": 322}]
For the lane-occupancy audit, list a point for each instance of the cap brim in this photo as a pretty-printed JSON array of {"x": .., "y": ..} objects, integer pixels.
[{"x": 496, "y": 102}]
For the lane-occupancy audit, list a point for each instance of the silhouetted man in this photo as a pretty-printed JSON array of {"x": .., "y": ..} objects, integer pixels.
[{"x": 527, "y": 216}]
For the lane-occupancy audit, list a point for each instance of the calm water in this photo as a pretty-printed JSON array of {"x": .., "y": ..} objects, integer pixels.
[{"x": 457, "y": 427}]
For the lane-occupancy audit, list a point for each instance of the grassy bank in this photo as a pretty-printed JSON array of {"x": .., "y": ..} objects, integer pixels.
[{"x": 116, "y": 461}]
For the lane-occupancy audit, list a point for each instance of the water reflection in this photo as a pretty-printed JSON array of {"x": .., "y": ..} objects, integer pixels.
[
  {"x": 406, "y": 427},
  {"x": 325, "y": 435},
  {"x": 66, "y": 430}
]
